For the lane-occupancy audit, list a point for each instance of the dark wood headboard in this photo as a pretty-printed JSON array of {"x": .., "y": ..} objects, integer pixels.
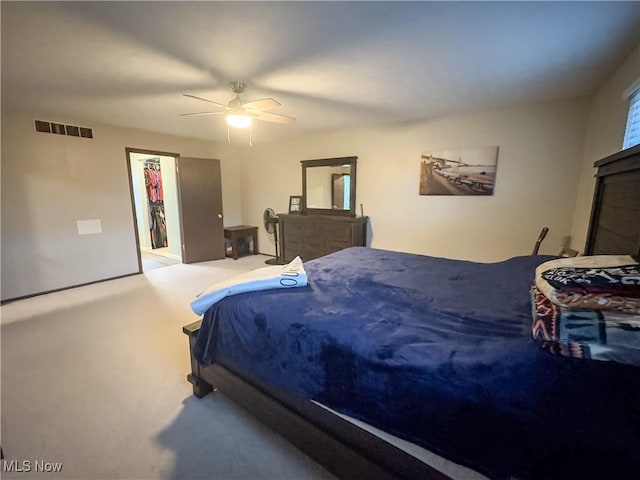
[{"x": 615, "y": 216}]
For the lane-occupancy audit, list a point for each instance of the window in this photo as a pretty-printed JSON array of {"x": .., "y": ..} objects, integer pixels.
[{"x": 632, "y": 132}]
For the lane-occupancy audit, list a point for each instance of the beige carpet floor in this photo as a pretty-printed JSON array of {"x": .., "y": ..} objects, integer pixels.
[{"x": 94, "y": 378}]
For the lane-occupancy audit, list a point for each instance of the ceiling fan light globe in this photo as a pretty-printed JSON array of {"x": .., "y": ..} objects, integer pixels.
[{"x": 239, "y": 121}]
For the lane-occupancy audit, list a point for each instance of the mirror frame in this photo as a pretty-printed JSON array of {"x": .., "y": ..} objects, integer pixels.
[{"x": 330, "y": 162}]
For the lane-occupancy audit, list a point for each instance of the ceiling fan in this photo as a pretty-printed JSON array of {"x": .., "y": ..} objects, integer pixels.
[{"x": 241, "y": 114}]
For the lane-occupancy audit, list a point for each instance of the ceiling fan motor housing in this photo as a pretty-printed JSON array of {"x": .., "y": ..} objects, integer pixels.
[{"x": 237, "y": 87}]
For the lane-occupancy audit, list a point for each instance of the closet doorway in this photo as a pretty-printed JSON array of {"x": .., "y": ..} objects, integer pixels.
[{"x": 154, "y": 191}]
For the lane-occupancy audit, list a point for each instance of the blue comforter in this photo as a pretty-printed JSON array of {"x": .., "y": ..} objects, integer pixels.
[{"x": 438, "y": 352}]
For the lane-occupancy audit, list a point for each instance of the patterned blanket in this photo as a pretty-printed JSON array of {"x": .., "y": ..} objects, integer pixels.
[
  {"x": 585, "y": 333},
  {"x": 601, "y": 282}
]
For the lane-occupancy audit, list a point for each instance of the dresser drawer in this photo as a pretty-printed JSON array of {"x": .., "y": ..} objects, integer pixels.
[
  {"x": 312, "y": 236},
  {"x": 337, "y": 231}
]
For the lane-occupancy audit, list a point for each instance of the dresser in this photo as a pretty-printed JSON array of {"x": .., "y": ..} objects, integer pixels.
[{"x": 312, "y": 236}]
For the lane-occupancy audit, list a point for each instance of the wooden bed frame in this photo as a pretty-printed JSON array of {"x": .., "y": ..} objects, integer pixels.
[
  {"x": 348, "y": 451},
  {"x": 341, "y": 447}
]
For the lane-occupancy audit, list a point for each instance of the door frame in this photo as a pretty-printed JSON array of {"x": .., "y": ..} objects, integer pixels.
[{"x": 128, "y": 151}]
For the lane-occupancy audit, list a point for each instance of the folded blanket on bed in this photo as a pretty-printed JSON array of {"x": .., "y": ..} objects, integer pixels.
[
  {"x": 603, "y": 282},
  {"x": 266, "y": 278},
  {"x": 585, "y": 333}
]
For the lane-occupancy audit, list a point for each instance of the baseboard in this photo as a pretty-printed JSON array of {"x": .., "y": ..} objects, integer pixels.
[{"x": 46, "y": 292}]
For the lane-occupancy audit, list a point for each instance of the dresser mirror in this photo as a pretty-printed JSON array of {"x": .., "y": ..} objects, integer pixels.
[{"x": 329, "y": 186}]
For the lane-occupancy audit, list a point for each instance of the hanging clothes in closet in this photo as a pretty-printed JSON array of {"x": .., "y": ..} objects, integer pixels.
[{"x": 155, "y": 197}]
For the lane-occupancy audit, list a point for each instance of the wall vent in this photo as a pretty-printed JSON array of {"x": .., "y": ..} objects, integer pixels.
[
  {"x": 86, "y": 132},
  {"x": 73, "y": 131},
  {"x": 44, "y": 127},
  {"x": 55, "y": 128}
]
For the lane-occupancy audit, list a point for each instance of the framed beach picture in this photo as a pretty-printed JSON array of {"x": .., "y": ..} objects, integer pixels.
[{"x": 465, "y": 171}]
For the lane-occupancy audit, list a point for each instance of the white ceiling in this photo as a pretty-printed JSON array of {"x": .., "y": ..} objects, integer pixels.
[{"x": 331, "y": 64}]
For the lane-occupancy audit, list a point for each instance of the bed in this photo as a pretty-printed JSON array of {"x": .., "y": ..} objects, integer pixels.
[{"x": 469, "y": 385}]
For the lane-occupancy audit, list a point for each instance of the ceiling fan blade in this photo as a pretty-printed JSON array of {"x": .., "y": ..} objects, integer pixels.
[
  {"x": 273, "y": 117},
  {"x": 206, "y": 100},
  {"x": 261, "y": 105},
  {"x": 201, "y": 113}
]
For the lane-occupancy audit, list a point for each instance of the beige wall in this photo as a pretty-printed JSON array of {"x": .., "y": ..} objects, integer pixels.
[
  {"x": 541, "y": 151},
  {"x": 607, "y": 121},
  {"x": 51, "y": 181}
]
